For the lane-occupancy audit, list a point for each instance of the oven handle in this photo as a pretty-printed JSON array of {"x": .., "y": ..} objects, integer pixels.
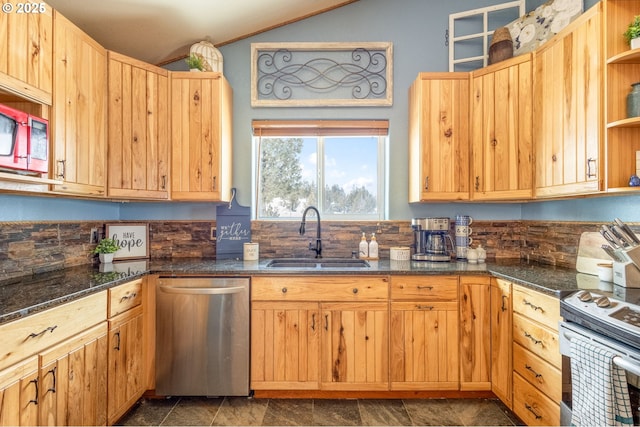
[{"x": 620, "y": 361}]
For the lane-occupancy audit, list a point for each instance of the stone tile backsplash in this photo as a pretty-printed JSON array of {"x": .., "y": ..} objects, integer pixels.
[{"x": 27, "y": 248}]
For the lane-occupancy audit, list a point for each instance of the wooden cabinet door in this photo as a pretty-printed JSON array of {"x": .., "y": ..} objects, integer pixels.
[
  {"x": 19, "y": 394},
  {"x": 126, "y": 369},
  {"x": 73, "y": 381},
  {"x": 355, "y": 346},
  {"x": 501, "y": 131},
  {"x": 439, "y": 137},
  {"x": 138, "y": 143},
  {"x": 27, "y": 54},
  {"x": 200, "y": 137},
  {"x": 501, "y": 341},
  {"x": 424, "y": 345},
  {"x": 568, "y": 105},
  {"x": 285, "y": 345},
  {"x": 475, "y": 333},
  {"x": 79, "y": 125}
]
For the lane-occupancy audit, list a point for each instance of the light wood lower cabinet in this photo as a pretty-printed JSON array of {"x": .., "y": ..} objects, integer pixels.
[
  {"x": 311, "y": 333},
  {"x": 424, "y": 333},
  {"x": 73, "y": 381},
  {"x": 501, "y": 341},
  {"x": 475, "y": 333},
  {"x": 19, "y": 394},
  {"x": 126, "y": 367}
]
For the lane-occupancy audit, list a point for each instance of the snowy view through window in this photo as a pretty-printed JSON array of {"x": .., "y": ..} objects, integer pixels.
[{"x": 341, "y": 176}]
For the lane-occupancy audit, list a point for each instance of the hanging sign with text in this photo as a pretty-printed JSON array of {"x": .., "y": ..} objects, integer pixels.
[
  {"x": 233, "y": 229},
  {"x": 133, "y": 240}
]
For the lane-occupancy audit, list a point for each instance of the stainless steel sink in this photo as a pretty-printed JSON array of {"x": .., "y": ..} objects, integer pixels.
[{"x": 317, "y": 263}]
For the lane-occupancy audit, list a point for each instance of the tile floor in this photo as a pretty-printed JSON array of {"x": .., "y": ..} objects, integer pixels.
[{"x": 236, "y": 411}]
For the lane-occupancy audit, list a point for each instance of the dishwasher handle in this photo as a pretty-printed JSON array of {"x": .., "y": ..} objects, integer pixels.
[{"x": 201, "y": 291}]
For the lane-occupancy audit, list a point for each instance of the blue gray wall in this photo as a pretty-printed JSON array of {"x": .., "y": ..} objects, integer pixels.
[{"x": 416, "y": 28}]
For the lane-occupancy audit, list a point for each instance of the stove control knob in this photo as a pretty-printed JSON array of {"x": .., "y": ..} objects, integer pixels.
[
  {"x": 603, "y": 302},
  {"x": 585, "y": 296}
]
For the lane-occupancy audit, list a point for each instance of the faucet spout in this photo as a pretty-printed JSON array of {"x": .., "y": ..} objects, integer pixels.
[{"x": 318, "y": 246}]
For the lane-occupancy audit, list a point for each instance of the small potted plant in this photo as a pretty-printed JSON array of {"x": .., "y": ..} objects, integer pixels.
[
  {"x": 632, "y": 35},
  {"x": 195, "y": 62},
  {"x": 105, "y": 250}
]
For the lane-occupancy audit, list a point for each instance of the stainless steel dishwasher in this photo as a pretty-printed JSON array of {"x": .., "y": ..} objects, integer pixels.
[{"x": 202, "y": 336}]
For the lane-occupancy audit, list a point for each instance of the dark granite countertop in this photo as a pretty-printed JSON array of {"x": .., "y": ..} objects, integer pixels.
[{"x": 27, "y": 295}]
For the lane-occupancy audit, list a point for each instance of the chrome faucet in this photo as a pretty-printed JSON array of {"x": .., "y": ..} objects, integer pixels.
[{"x": 318, "y": 247}]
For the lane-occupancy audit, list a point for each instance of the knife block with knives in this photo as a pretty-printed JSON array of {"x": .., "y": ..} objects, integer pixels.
[{"x": 626, "y": 254}]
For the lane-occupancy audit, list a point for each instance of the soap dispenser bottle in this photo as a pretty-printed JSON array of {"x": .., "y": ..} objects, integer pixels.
[
  {"x": 373, "y": 247},
  {"x": 363, "y": 248}
]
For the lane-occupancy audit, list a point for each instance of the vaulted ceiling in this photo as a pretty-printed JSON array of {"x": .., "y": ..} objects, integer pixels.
[{"x": 157, "y": 31}]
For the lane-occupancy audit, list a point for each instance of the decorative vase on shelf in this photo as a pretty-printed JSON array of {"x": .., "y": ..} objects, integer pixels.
[
  {"x": 635, "y": 43},
  {"x": 633, "y": 101},
  {"x": 105, "y": 258}
]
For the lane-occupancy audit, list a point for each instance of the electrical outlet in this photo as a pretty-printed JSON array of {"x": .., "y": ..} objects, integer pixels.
[
  {"x": 213, "y": 234},
  {"x": 94, "y": 236}
]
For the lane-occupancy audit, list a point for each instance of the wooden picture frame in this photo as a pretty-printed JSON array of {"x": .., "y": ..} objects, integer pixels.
[
  {"x": 133, "y": 239},
  {"x": 322, "y": 74}
]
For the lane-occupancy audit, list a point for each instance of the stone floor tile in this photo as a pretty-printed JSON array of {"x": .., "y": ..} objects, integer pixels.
[
  {"x": 479, "y": 412},
  {"x": 289, "y": 412},
  {"x": 193, "y": 411},
  {"x": 336, "y": 412},
  {"x": 241, "y": 411},
  {"x": 148, "y": 412},
  {"x": 431, "y": 412},
  {"x": 383, "y": 412}
]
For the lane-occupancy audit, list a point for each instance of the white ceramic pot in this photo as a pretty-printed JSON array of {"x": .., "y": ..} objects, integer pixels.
[
  {"x": 635, "y": 43},
  {"x": 105, "y": 258}
]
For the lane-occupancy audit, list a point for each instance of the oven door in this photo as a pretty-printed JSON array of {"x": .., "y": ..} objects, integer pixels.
[{"x": 628, "y": 359}]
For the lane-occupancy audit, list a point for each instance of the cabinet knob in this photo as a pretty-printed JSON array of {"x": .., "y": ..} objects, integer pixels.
[
  {"x": 554, "y": 158},
  {"x": 284, "y": 290},
  {"x": 355, "y": 290}
]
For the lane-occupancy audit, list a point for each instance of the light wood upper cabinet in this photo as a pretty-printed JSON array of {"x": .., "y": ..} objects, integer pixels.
[
  {"x": 501, "y": 341},
  {"x": 79, "y": 125},
  {"x": 200, "y": 136},
  {"x": 27, "y": 55},
  {"x": 568, "y": 106},
  {"x": 501, "y": 131},
  {"x": 439, "y": 137},
  {"x": 138, "y": 141}
]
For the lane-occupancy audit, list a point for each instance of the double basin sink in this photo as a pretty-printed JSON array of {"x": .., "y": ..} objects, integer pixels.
[{"x": 317, "y": 263}]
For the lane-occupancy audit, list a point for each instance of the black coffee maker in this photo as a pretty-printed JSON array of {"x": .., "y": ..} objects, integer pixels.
[{"x": 432, "y": 240}]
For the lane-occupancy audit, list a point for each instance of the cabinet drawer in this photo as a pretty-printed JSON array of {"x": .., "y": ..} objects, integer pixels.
[
  {"x": 539, "y": 307},
  {"x": 432, "y": 288},
  {"x": 541, "y": 374},
  {"x": 325, "y": 288},
  {"x": 532, "y": 406},
  {"x": 124, "y": 297},
  {"x": 32, "y": 334},
  {"x": 538, "y": 339}
]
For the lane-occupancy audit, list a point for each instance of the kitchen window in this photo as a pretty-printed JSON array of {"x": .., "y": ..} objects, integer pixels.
[{"x": 337, "y": 166}]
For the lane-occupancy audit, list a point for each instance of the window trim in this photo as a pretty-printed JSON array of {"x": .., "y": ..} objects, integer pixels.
[{"x": 324, "y": 128}]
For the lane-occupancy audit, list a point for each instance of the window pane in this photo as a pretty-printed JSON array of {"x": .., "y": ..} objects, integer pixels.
[
  {"x": 350, "y": 175},
  {"x": 288, "y": 176}
]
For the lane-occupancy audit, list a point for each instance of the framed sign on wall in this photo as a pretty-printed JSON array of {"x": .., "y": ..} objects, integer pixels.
[{"x": 133, "y": 240}]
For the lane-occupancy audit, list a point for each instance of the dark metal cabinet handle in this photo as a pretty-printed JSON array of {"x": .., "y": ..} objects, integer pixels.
[
  {"x": 477, "y": 183},
  {"x": 313, "y": 322},
  {"x": 426, "y": 183},
  {"x": 529, "y": 368},
  {"x": 163, "y": 184},
  {"x": 326, "y": 322},
  {"x": 128, "y": 297},
  {"x": 425, "y": 287},
  {"x": 53, "y": 372},
  {"x": 589, "y": 173},
  {"x": 44, "y": 331},
  {"x": 215, "y": 183},
  {"x": 532, "y": 338},
  {"x": 530, "y": 409},
  {"x": 117, "y": 337},
  {"x": 424, "y": 307},
  {"x": 62, "y": 168},
  {"x": 534, "y": 307},
  {"x": 35, "y": 400},
  {"x": 504, "y": 307}
]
